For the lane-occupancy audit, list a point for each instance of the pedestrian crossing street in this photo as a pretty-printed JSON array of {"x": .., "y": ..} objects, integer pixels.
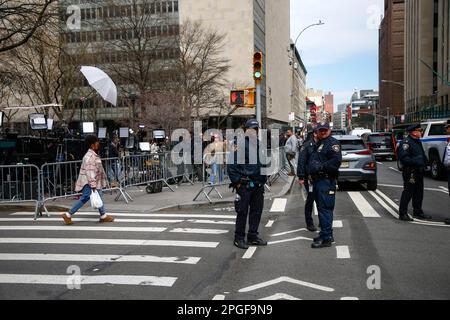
[{"x": 41, "y": 251}]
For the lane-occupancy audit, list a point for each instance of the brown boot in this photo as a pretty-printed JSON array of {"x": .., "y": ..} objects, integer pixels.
[
  {"x": 107, "y": 219},
  {"x": 67, "y": 220}
]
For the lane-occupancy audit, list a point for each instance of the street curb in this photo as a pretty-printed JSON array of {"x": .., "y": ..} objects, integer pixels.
[{"x": 286, "y": 189}]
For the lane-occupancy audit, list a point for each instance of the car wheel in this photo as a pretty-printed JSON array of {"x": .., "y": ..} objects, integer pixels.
[
  {"x": 437, "y": 168},
  {"x": 372, "y": 185}
]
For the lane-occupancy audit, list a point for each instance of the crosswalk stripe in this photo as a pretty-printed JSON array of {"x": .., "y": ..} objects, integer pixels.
[
  {"x": 199, "y": 231},
  {"x": 211, "y": 222},
  {"x": 279, "y": 205},
  {"x": 363, "y": 206},
  {"x": 95, "y": 258},
  {"x": 87, "y": 280},
  {"x": 113, "y": 242},
  {"x": 249, "y": 253},
  {"x": 76, "y": 228},
  {"x": 338, "y": 224},
  {"x": 288, "y": 232},
  {"x": 388, "y": 200},
  {"x": 141, "y": 215},
  {"x": 384, "y": 204},
  {"x": 343, "y": 252},
  {"x": 45, "y": 219}
]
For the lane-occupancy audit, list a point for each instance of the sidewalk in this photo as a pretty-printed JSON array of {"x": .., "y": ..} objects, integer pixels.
[{"x": 181, "y": 198}]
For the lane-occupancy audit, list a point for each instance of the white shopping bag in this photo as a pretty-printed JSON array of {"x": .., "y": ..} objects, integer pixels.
[{"x": 96, "y": 200}]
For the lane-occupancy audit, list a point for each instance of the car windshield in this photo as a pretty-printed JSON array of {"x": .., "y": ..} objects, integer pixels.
[
  {"x": 380, "y": 139},
  {"x": 352, "y": 145}
]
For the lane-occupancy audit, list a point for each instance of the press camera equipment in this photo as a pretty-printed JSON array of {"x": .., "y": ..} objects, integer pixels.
[{"x": 38, "y": 121}]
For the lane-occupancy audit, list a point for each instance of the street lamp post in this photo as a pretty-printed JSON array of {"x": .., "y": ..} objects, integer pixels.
[{"x": 293, "y": 65}]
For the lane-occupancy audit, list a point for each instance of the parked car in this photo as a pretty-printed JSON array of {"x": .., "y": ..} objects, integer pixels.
[
  {"x": 358, "y": 162},
  {"x": 382, "y": 145},
  {"x": 434, "y": 142},
  {"x": 359, "y": 132}
]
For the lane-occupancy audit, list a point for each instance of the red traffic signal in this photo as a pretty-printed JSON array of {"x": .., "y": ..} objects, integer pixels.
[
  {"x": 258, "y": 66},
  {"x": 237, "y": 98}
]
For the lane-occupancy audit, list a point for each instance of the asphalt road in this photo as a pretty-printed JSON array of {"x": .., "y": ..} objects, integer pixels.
[{"x": 188, "y": 255}]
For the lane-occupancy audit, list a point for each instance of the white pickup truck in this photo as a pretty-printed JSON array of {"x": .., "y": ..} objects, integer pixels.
[{"x": 434, "y": 141}]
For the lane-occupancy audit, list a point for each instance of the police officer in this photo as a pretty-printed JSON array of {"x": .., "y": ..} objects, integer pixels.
[
  {"x": 249, "y": 183},
  {"x": 412, "y": 156},
  {"x": 305, "y": 180},
  {"x": 323, "y": 168}
]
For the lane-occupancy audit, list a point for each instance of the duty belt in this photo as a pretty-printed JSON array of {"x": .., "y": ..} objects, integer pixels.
[{"x": 321, "y": 176}]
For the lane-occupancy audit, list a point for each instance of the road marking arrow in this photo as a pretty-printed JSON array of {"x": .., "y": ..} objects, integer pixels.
[
  {"x": 286, "y": 279},
  {"x": 280, "y": 296}
]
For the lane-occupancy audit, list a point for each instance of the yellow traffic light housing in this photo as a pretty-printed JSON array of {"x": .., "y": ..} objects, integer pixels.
[{"x": 258, "y": 66}]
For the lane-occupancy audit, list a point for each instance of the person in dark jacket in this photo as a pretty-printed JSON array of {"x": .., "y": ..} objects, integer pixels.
[
  {"x": 414, "y": 161},
  {"x": 323, "y": 168},
  {"x": 248, "y": 180},
  {"x": 305, "y": 180}
]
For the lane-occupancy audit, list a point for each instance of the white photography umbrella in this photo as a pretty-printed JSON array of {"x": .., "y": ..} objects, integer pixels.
[{"x": 102, "y": 83}]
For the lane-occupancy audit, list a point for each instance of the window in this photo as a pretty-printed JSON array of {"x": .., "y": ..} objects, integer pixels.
[
  {"x": 352, "y": 145},
  {"x": 437, "y": 130},
  {"x": 164, "y": 7},
  {"x": 175, "y": 6}
]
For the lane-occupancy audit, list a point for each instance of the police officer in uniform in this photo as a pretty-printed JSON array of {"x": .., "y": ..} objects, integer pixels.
[
  {"x": 305, "y": 180},
  {"x": 412, "y": 156},
  {"x": 323, "y": 168},
  {"x": 249, "y": 183}
]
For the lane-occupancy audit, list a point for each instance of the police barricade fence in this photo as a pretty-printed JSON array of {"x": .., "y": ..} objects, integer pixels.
[
  {"x": 20, "y": 184},
  {"x": 214, "y": 173},
  {"x": 279, "y": 166},
  {"x": 177, "y": 173},
  {"x": 148, "y": 170},
  {"x": 58, "y": 179}
]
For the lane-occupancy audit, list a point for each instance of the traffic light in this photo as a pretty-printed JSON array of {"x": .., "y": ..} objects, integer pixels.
[
  {"x": 258, "y": 66},
  {"x": 237, "y": 97}
]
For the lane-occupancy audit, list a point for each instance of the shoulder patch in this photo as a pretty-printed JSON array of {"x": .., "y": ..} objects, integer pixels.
[
  {"x": 337, "y": 148},
  {"x": 405, "y": 146}
]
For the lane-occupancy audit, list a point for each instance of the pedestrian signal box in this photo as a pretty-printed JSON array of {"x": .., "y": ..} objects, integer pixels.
[
  {"x": 237, "y": 97},
  {"x": 243, "y": 98}
]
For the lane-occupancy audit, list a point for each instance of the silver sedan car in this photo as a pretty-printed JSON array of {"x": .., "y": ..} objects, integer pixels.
[{"x": 358, "y": 162}]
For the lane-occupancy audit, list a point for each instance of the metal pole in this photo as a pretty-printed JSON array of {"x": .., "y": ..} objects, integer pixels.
[{"x": 258, "y": 103}]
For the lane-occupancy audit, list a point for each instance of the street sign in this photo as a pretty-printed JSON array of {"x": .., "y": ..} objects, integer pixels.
[{"x": 292, "y": 116}]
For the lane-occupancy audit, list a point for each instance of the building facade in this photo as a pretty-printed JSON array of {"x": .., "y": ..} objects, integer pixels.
[
  {"x": 298, "y": 94},
  {"x": 329, "y": 106},
  {"x": 252, "y": 25},
  {"x": 391, "y": 61},
  {"x": 427, "y": 59}
]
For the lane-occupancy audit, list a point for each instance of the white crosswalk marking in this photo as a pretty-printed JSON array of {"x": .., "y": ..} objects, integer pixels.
[
  {"x": 279, "y": 205},
  {"x": 113, "y": 242},
  {"x": 87, "y": 280},
  {"x": 363, "y": 206},
  {"x": 41, "y": 246},
  {"x": 343, "y": 252},
  {"x": 95, "y": 258},
  {"x": 384, "y": 205}
]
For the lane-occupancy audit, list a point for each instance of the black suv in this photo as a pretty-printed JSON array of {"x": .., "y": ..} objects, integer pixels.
[{"x": 382, "y": 145}]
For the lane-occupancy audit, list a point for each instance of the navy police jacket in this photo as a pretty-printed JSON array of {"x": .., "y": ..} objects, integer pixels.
[
  {"x": 326, "y": 158},
  {"x": 237, "y": 171},
  {"x": 303, "y": 159},
  {"x": 411, "y": 153}
]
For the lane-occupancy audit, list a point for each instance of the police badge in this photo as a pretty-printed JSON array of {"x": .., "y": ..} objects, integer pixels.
[
  {"x": 405, "y": 147},
  {"x": 336, "y": 148}
]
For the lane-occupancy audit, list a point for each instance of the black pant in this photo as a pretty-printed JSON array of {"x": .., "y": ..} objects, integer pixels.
[
  {"x": 448, "y": 176},
  {"x": 251, "y": 204},
  {"x": 412, "y": 191},
  {"x": 309, "y": 206}
]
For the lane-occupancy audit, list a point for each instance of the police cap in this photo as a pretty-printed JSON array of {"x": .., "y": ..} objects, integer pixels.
[
  {"x": 413, "y": 128},
  {"x": 323, "y": 126},
  {"x": 252, "y": 124}
]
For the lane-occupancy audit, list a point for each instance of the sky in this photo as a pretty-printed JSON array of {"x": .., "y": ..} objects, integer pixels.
[{"x": 342, "y": 54}]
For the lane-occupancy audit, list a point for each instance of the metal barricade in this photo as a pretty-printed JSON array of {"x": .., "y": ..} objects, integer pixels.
[
  {"x": 280, "y": 167},
  {"x": 177, "y": 173},
  {"x": 19, "y": 184},
  {"x": 148, "y": 170},
  {"x": 58, "y": 180},
  {"x": 214, "y": 174}
]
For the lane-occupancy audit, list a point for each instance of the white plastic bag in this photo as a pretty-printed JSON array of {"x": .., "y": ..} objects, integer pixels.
[{"x": 96, "y": 200}]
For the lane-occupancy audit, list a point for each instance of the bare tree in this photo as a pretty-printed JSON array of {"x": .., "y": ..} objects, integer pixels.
[
  {"x": 201, "y": 71},
  {"x": 20, "y": 19}
]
